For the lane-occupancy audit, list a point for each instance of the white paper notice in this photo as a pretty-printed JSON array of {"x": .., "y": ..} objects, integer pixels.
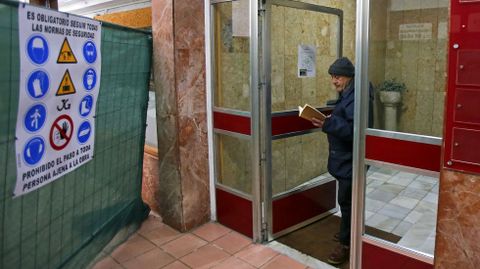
[
  {"x": 240, "y": 18},
  {"x": 60, "y": 70},
  {"x": 415, "y": 31},
  {"x": 306, "y": 61}
]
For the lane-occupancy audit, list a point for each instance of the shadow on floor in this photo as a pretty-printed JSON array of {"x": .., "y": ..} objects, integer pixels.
[{"x": 316, "y": 239}]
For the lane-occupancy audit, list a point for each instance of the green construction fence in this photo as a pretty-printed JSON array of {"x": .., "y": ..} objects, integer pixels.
[{"x": 68, "y": 222}]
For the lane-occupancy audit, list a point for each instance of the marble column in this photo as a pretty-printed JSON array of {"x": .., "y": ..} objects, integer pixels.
[
  {"x": 179, "y": 75},
  {"x": 458, "y": 225}
]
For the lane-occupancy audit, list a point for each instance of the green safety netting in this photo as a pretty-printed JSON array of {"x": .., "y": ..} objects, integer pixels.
[{"x": 66, "y": 223}]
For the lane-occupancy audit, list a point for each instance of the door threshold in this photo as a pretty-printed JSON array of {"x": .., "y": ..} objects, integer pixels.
[{"x": 299, "y": 256}]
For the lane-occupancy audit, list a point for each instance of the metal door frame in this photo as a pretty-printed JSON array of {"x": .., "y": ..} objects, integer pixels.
[
  {"x": 267, "y": 116},
  {"x": 251, "y": 116},
  {"x": 261, "y": 117},
  {"x": 358, "y": 236}
]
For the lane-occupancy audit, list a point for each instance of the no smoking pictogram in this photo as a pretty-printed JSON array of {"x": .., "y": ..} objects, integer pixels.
[{"x": 61, "y": 132}]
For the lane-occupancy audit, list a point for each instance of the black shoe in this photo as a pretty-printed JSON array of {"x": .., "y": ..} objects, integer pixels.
[{"x": 340, "y": 254}]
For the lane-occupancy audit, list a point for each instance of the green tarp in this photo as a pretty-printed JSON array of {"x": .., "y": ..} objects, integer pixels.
[{"x": 66, "y": 223}]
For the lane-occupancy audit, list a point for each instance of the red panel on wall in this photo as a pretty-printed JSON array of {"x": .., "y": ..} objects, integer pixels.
[
  {"x": 468, "y": 67},
  {"x": 374, "y": 257},
  {"x": 466, "y": 106},
  {"x": 296, "y": 208},
  {"x": 401, "y": 152},
  {"x": 283, "y": 123},
  {"x": 232, "y": 123},
  {"x": 234, "y": 212},
  {"x": 464, "y": 143},
  {"x": 290, "y": 123},
  {"x": 461, "y": 112}
]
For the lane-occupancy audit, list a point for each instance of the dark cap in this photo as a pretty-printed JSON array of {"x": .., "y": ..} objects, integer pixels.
[{"x": 342, "y": 67}]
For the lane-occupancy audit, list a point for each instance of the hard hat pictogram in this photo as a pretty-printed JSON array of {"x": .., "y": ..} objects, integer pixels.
[
  {"x": 37, "y": 49},
  {"x": 66, "y": 55},
  {"x": 66, "y": 86}
]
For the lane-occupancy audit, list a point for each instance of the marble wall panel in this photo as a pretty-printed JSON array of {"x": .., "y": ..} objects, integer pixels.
[
  {"x": 294, "y": 27},
  {"x": 278, "y": 31},
  {"x": 424, "y": 112},
  {"x": 293, "y": 84},
  {"x": 191, "y": 100},
  {"x": 169, "y": 195},
  {"x": 234, "y": 82},
  {"x": 279, "y": 162},
  {"x": 179, "y": 66},
  {"x": 151, "y": 182},
  {"x": 305, "y": 158},
  {"x": 278, "y": 83},
  {"x": 309, "y": 90},
  {"x": 232, "y": 63},
  {"x": 323, "y": 32},
  {"x": 294, "y": 162},
  {"x": 420, "y": 64},
  {"x": 458, "y": 232},
  {"x": 311, "y": 158},
  {"x": 426, "y": 65},
  {"x": 438, "y": 112},
  {"x": 234, "y": 163}
]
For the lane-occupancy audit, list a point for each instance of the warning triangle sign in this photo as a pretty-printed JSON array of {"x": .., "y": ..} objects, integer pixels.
[
  {"x": 66, "y": 55},
  {"x": 66, "y": 86}
]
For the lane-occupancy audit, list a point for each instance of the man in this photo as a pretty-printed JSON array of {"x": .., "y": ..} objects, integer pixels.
[{"x": 339, "y": 129}]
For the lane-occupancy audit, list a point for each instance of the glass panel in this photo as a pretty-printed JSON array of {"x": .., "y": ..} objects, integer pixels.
[
  {"x": 232, "y": 89},
  {"x": 234, "y": 162},
  {"x": 401, "y": 207},
  {"x": 408, "y": 44},
  {"x": 151, "y": 129},
  {"x": 291, "y": 28},
  {"x": 298, "y": 160}
]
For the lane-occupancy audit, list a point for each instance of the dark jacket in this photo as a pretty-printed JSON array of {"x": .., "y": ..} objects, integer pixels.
[{"x": 339, "y": 130}]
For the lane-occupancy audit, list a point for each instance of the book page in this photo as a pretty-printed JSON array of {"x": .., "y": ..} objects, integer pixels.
[{"x": 308, "y": 112}]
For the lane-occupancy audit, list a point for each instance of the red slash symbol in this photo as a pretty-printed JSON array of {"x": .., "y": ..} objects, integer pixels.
[{"x": 61, "y": 132}]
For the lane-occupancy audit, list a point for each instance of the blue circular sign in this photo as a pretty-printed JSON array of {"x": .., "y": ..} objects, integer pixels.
[
  {"x": 90, "y": 52},
  {"x": 34, "y": 150},
  {"x": 35, "y": 118},
  {"x": 84, "y": 132},
  {"x": 37, "y": 49},
  {"x": 38, "y": 84},
  {"x": 89, "y": 79},
  {"x": 86, "y": 106}
]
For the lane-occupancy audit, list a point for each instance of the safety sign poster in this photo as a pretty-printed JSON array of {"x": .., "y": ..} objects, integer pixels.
[{"x": 60, "y": 69}]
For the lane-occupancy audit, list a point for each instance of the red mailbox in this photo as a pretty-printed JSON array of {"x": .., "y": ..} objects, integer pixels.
[{"x": 462, "y": 113}]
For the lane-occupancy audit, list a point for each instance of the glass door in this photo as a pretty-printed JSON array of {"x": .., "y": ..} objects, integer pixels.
[
  {"x": 234, "y": 90},
  {"x": 395, "y": 196},
  {"x": 299, "y": 42}
]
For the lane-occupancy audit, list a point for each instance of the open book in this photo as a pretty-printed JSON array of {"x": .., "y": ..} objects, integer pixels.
[{"x": 308, "y": 112}]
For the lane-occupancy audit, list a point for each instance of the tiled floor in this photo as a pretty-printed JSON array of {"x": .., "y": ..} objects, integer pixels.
[
  {"x": 156, "y": 245},
  {"x": 397, "y": 202},
  {"x": 404, "y": 204}
]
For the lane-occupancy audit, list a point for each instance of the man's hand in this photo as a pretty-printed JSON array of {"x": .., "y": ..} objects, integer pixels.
[{"x": 319, "y": 122}]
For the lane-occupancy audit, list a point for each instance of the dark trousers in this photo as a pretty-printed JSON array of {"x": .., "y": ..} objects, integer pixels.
[{"x": 345, "y": 202}]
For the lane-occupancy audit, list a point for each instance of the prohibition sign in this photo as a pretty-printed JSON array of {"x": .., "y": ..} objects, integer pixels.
[{"x": 61, "y": 132}]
